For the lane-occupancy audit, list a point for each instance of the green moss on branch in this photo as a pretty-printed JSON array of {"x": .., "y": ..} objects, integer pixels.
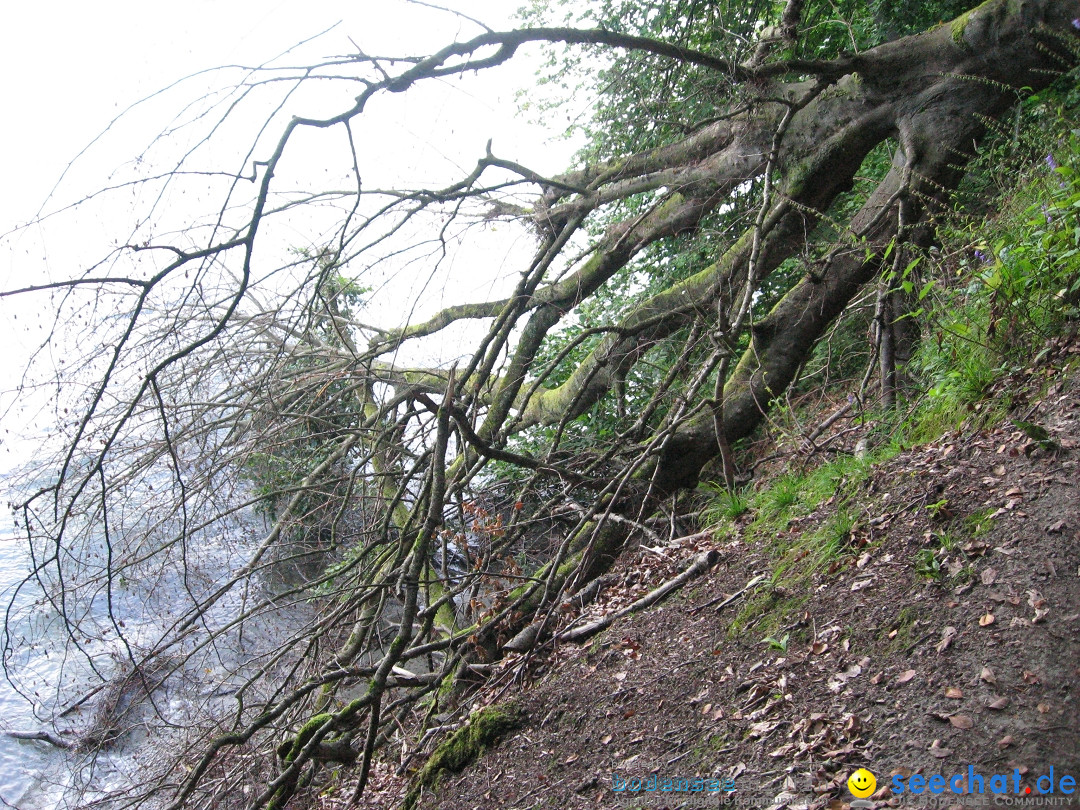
[{"x": 464, "y": 746}]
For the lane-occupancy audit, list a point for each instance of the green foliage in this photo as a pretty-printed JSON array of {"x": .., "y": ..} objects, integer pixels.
[
  {"x": 1037, "y": 433},
  {"x": 979, "y": 522},
  {"x": 900, "y": 631},
  {"x": 725, "y": 504},
  {"x": 313, "y": 414},
  {"x": 834, "y": 537},
  {"x": 840, "y": 475},
  {"x": 791, "y": 495},
  {"x": 938, "y": 508},
  {"x": 948, "y": 541},
  {"x": 781, "y": 496},
  {"x": 800, "y": 557},
  {"x": 768, "y": 609},
  {"x": 1007, "y": 283},
  {"x": 780, "y": 644},
  {"x": 927, "y": 564}
]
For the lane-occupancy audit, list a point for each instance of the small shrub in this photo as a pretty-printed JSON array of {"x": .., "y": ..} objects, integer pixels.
[
  {"x": 725, "y": 504},
  {"x": 780, "y": 644},
  {"x": 927, "y": 564},
  {"x": 783, "y": 494}
]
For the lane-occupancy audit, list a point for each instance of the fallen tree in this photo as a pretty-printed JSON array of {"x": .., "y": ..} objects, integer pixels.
[{"x": 235, "y": 376}]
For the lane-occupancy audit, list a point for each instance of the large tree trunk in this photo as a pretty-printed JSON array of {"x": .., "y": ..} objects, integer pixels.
[{"x": 935, "y": 92}]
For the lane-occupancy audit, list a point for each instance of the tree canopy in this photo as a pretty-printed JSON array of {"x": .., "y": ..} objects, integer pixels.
[{"x": 341, "y": 528}]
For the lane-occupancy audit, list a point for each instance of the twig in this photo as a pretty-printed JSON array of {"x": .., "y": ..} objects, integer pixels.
[
  {"x": 683, "y": 755},
  {"x": 44, "y": 736},
  {"x": 725, "y": 601},
  {"x": 837, "y": 414},
  {"x": 701, "y": 563}
]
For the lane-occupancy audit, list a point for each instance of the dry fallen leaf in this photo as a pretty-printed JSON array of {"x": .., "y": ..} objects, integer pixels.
[
  {"x": 961, "y": 721},
  {"x": 988, "y": 576},
  {"x": 763, "y": 728},
  {"x": 998, "y": 703},
  {"x": 1043, "y": 708},
  {"x": 986, "y": 620},
  {"x": 905, "y": 676},
  {"x": 1005, "y": 741},
  {"x": 1030, "y": 677},
  {"x": 606, "y": 739},
  {"x": 947, "y": 636},
  {"x": 953, "y": 693},
  {"x": 883, "y": 792},
  {"x": 987, "y": 675},
  {"x": 818, "y": 647}
]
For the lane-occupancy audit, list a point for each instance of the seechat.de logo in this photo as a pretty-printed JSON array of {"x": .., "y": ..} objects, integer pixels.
[{"x": 972, "y": 782}]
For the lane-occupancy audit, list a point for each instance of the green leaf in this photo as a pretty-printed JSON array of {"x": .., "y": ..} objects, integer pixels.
[{"x": 1036, "y": 433}]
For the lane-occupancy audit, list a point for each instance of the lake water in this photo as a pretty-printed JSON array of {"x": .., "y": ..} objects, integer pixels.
[
  {"x": 24, "y": 765},
  {"x": 35, "y": 775}
]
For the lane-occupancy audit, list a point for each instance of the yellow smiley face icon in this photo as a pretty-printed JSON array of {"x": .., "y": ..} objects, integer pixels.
[{"x": 861, "y": 783}]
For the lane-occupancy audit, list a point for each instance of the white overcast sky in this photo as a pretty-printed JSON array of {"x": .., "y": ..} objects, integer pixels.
[
  {"x": 70, "y": 66},
  {"x": 67, "y": 69}
]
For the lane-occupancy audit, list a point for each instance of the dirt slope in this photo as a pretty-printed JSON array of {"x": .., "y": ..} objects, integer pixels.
[{"x": 874, "y": 662}]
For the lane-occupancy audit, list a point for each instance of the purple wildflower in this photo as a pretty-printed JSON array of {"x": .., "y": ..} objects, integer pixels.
[
  {"x": 1051, "y": 162},
  {"x": 1076, "y": 23},
  {"x": 1046, "y": 213},
  {"x": 982, "y": 257}
]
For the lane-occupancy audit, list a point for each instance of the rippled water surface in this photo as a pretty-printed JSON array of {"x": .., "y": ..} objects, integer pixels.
[{"x": 22, "y": 763}]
